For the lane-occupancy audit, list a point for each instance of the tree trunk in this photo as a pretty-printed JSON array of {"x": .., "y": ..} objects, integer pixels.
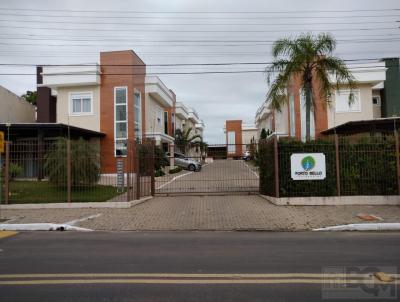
[{"x": 308, "y": 111}]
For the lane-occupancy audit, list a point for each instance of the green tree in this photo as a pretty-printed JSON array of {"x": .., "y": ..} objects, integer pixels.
[
  {"x": 309, "y": 58},
  {"x": 184, "y": 140},
  {"x": 85, "y": 163},
  {"x": 30, "y": 97},
  {"x": 263, "y": 134}
]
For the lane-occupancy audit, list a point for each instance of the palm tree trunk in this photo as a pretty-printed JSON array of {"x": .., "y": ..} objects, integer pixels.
[{"x": 308, "y": 111}]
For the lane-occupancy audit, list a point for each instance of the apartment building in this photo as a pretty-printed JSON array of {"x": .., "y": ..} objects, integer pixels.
[
  {"x": 114, "y": 100},
  {"x": 160, "y": 112},
  {"x": 239, "y": 137},
  {"x": 290, "y": 121}
]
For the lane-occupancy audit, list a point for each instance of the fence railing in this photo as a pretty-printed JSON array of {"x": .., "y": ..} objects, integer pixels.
[
  {"x": 354, "y": 165},
  {"x": 62, "y": 170}
]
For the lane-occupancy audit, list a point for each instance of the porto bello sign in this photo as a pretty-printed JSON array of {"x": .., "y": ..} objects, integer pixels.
[{"x": 307, "y": 166}]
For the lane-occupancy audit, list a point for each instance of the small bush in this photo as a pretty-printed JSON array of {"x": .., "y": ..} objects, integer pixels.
[
  {"x": 85, "y": 163},
  {"x": 175, "y": 170},
  {"x": 159, "y": 173},
  {"x": 14, "y": 170}
]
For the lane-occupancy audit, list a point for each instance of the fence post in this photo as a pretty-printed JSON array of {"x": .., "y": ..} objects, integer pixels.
[
  {"x": 128, "y": 170},
  {"x": 396, "y": 135},
  {"x": 69, "y": 176},
  {"x": 152, "y": 161},
  {"x": 337, "y": 165},
  {"x": 276, "y": 163},
  {"x": 137, "y": 164},
  {"x": 6, "y": 174}
]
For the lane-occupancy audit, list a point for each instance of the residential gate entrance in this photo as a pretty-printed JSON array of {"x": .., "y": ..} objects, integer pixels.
[{"x": 212, "y": 169}]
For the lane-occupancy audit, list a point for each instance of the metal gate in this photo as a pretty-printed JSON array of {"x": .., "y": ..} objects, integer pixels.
[{"x": 212, "y": 169}]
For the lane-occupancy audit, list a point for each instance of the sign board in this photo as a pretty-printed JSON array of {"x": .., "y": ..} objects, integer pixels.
[
  {"x": 1, "y": 142},
  {"x": 120, "y": 175},
  {"x": 308, "y": 166}
]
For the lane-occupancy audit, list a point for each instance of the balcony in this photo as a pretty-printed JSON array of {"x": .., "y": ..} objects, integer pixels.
[
  {"x": 181, "y": 111},
  {"x": 63, "y": 76},
  {"x": 157, "y": 89}
]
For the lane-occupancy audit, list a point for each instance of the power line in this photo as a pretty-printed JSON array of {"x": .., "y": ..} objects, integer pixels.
[
  {"x": 201, "y": 12},
  {"x": 198, "y": 24},
  {"x": 354, "y": 41},
  {"x": 174, "y": 73},
  {"x": 201, "y": 18},
  {"x": 174, "y": 64},
  {"x": 197, "y": 31},
  {"x": 113, "y": 38}
]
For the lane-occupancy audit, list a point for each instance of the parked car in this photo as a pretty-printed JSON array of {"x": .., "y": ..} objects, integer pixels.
[
  {"x": 184, "y": 162},
  {"x": 247, "y": 155}
]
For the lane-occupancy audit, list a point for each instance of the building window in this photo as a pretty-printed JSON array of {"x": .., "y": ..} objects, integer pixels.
[
  {"x": 165, "y": 122},
  {"x": 376, "y": 101},
  {"x": 231, "y": 142},
  {"x": 81, "y": 103},
  {"x": 138, "y": 115},
  {"x": 120, "y": 120},
  {"x": 342, "y": 101}
]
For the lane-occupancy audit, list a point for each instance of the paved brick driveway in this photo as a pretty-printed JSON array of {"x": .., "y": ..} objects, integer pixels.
[
  {"x": 219, "y": 176},
  {"x": 249, "y": 212}
]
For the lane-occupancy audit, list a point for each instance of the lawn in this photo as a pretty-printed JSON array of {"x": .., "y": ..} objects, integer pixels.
[{"x": 45, "y": 192}]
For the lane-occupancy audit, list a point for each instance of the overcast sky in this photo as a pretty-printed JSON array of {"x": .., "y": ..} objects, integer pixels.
[{"x": 193, "y": 33}]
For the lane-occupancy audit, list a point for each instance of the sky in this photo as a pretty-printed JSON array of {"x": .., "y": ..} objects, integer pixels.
[{"x": 190, "y": 32}]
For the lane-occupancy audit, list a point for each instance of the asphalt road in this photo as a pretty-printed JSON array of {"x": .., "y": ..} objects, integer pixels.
[
  {"x": 219, "y": 176},
  {"x": 195, "y": 266}
]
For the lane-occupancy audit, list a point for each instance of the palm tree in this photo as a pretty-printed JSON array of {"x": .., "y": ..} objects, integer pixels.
[
  {"x": 310, "y": 59},
  {"x": 185, "y": 140}
]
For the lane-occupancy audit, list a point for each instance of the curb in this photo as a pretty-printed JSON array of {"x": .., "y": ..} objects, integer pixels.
[
  {"x": 76, "y": 205},
  {"x": 395, "y": 226},
  {"x": 41, "y": 227}
]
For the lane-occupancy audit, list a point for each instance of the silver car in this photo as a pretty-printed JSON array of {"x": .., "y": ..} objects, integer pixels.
[{"x": 184, "y": 162}]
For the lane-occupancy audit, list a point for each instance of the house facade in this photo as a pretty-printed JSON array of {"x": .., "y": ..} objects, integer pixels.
[
  {"x": 291, "y": 120},
  {"x": 114, "y": 98},
  {"x": 239, "y": 137}
]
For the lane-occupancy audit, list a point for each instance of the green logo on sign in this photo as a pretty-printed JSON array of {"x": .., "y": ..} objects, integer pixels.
[{"x": 308, "y": 163}]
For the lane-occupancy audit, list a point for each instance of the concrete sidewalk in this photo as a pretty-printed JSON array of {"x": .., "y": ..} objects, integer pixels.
[{"x": 247, "y": 212}]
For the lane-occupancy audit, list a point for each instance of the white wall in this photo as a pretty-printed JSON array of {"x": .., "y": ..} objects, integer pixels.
[
  {"x": 366, "y": 108},
  {"x": 154, "y": 111},
  {"x": 14, "y": 109},
  {"x": 89, "y": 121}
]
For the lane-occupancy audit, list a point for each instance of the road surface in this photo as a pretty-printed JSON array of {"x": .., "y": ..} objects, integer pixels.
[
  {"x": 193, "y": 266},
  {"x": 219, "y": 176}
]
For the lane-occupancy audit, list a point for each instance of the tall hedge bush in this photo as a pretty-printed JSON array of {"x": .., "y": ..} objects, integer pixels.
[
  {"x": 85, "y": 163},
  {"x": 367, "y": 167}
]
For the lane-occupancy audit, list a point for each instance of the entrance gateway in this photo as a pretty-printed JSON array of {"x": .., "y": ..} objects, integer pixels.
[{"x": 218, "y": 170}]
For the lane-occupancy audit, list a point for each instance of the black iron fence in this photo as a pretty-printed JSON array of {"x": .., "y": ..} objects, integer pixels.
[
  {"x": 61, "y": 170},
  {"x": 197, "y": 169},
  {"x": 354, "y": 165}
]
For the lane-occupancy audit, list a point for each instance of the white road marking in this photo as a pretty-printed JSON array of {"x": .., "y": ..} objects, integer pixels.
[
  {"x": 252, "y": 171},
  {"x": 172, "y": 180},
  {"x": 73, "y": 222}
]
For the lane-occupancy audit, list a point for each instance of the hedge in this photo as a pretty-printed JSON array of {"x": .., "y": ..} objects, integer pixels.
[{"x": 367, "y": 167}]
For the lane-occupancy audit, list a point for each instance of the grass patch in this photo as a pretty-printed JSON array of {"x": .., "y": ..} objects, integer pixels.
[{"x": 45, "y": 192}]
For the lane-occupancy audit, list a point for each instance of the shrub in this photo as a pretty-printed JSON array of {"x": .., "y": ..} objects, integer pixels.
[
  {"x": 367, "y": 167},
  {"x": 159, "y": 173},
  {"x": 14, "y": 170},
  {"x": 175, "y": 170},
  {"x": 85, "y": 163}
]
